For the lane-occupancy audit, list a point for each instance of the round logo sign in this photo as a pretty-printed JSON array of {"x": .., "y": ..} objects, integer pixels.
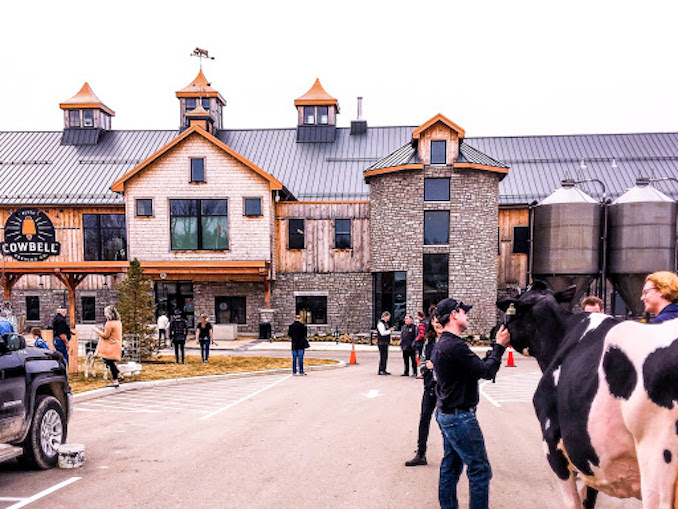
[{"x": 29, "y": 236}]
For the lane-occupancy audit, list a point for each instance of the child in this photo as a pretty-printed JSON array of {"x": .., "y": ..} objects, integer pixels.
[{"x": 37, "y": 339}]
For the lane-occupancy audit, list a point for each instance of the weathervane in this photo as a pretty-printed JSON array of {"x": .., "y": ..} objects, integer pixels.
[{"x": 201, "y": 53}]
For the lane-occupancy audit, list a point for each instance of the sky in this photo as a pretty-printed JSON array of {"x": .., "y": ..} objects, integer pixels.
[{"x": 495, "y": 68}]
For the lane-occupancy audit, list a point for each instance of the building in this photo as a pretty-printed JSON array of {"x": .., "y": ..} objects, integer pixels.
[{"x": 251, "y": 226}]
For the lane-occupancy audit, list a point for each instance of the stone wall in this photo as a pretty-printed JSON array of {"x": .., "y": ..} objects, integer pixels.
[{"x": 349, "y": 300}]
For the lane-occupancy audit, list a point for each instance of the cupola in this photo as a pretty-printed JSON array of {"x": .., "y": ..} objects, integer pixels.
[
  {"x": 317, "y": 115},
  {"x": 200, "y": 103},
  {"x": 85, "y": 116}
]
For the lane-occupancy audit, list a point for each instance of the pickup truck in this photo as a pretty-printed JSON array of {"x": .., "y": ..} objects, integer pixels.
[{"x": 35, "y": 402}]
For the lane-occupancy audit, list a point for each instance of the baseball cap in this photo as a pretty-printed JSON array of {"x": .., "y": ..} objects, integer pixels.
[{"x": 446, "y": 306}]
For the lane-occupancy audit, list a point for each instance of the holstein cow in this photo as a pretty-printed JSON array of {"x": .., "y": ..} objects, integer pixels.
[{"x": 606, "y": 401}]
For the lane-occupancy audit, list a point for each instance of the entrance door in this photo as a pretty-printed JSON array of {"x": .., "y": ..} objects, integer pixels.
[{"x": 172, "y": 296}]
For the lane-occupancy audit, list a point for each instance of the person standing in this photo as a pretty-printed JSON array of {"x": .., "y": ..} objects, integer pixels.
[
  {"x": 61, "y": 331},
  {"x": 457, "y": 370},
  {"x": 592, "y": 304},
  {"x": 38, "y": 342},
  {"x": 178, "y": 332},
  {"x": 204, "y": 332},
  {"x": 428, "y": 400},
  {"x": 421, "y": 330},
  {"x": 110, "y": 344},
  {"x": 298, "y": 334},
  {"x": 660, "y": 296},
  {"x": 383, "y": 341},
  {"x": 408, "y": 334},
  {"x": 163, "y": 323},
  {"x": 5, "y": 325}
]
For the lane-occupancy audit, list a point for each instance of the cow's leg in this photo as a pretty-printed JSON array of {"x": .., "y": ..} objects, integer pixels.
[
  {"x": 658, "y": 462},
  {"x": 589, "y": 497},
  {"x": 568, "y": 489}
]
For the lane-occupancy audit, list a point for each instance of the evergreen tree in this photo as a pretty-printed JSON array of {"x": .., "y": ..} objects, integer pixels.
[{"x": 136, "y": 305}]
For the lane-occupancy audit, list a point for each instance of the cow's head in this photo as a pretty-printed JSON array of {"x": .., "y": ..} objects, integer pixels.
[{"x": 537, "y": 326}]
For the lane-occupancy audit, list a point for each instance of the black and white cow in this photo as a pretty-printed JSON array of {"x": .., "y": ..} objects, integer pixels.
[{"x": 607, "y": 400}]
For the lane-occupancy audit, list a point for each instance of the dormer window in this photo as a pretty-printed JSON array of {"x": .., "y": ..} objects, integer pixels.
[
  {"x": 197, "y": 170},
  {"x": 88, "y": 118},
  {"x": 206, "y": 103},
  {"x": 191, "y": 104},
  {"x": 323, "y": 115},
  {"x": 309, "y": 115},
  {"x": 438, "y": 152}
]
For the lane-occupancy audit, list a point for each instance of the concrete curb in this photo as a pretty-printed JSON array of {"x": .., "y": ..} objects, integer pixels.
[{"x": 135, "y": 386}]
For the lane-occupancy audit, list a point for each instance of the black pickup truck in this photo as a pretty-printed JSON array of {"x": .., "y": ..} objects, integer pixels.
[{"x": 35, "y": 402}]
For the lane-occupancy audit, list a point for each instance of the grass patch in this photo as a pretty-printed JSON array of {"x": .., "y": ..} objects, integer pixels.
[{"x": 164, "y": 368}]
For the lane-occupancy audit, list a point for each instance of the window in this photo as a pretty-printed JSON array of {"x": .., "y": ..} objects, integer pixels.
[
  {"x": 312, "y": 308},
  {"x": 105, "y": 237},
  {"x": 191, "y": 104},
  {"x": 521, "y": 239},
  {"x": 436, "y": 227},
  {"x": 252, "y": 206},
  {"x": 438, "y": 152},
  {"x": 199, "y": 224},
  {"x": 436, "y": 278},
  {"x": 323, "y": 117},
  {"x": 88, "y": 118},
  {"x": 309, "y": 115},
  {"x": 33, "y": 308},
  {"x": 342, "y": 234},
  {"x": 88, "y": 309},
  {"x": 437, "y": 189},
  {"x": 197, "y": 170},
  {"x": 296, "y": 234},
  {"x": 205, "y": 103},
  {"x": 230, "y": 310},
  {"x": 389, "y": 294},
  {"x": 74, "y": 118},
  {"x": 144, "y": 207}
]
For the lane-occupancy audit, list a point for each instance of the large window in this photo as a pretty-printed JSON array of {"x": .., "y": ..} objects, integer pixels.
[
  {"x": 437, "y": 189},
  {"x": 32, "y": 308},
  {"x": 105, "y": 237},
  {"x": 88, "y": 308},
  {"x": 342, "y": 234},
  {"x": 312, "y": 308},
  {"x": 230, "y": 309},
  {"x": 521, "y": 239},
  {"x": 438, "y": 152},
  {"x": 389, "y": 294},
  {"x": 197, "y": 170},
  {"x": 436, "y": 227},
  {"x": 199, "y": 224},
  {"x": 436, "y": 278},
  {"x": 295, "y": 234}
]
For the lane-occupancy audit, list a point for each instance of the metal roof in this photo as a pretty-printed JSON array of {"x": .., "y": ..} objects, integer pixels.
[
  {"x": 36, "y": 169},
  {"x": 468, "y": 154},
  {"x": 407, "y": 154}
]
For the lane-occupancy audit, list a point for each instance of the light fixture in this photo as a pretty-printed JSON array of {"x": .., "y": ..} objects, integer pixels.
[
  {"x": 614, "y": 164},
  {"x": 40, "y": 283},
  {"x": 105, "y": 282},
  {"x": 582, "y": 165}
]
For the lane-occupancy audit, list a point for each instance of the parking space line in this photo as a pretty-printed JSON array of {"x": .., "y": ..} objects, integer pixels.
[
  {"x": 244, "y": 398},
  {"x": 511, "y": 389},
  {"x": 25, "y": 501}
]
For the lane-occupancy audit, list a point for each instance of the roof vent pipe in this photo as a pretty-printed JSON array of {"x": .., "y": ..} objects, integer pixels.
[
  {"x": 359, "y": 126},
  {"x": 360, "y": 108}
]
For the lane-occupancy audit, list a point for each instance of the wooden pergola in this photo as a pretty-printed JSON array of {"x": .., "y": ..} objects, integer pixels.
[{"x": 71, "y": 274}]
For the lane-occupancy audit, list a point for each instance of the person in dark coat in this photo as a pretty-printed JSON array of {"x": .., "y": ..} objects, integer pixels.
[
  {"x": 298, "y": 334},
  {"x": 61, "y": 333},
  {"x": 383, "y": 341},
  {"x": 407, "y": 336},
  {"x": 178, "y": 333},
  {"x": 660, "y": 296},
  {"x": 428, "y": 400}
]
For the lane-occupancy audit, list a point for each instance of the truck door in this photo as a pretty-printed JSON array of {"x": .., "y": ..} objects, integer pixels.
[{"x": 12, "y": 395}]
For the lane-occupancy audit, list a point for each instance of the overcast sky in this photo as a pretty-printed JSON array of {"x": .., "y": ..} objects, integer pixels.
[{"x": 493, "y": 67}]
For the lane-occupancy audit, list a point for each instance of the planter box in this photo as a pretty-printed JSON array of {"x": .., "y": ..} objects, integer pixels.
[{"x": 225, "y": 331}]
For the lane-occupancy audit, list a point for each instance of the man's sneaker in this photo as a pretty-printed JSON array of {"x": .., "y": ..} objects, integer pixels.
[{"x": 419, "y": 459}]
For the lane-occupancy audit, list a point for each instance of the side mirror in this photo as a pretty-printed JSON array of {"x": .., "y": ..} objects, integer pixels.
[{"x": 11, "y": 342}]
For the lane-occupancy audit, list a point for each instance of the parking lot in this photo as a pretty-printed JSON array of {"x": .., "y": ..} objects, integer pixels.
[{"x": 333, "y": 439}]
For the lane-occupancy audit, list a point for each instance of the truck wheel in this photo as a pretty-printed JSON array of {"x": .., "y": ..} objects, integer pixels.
[{"x": 47, "y": 432}]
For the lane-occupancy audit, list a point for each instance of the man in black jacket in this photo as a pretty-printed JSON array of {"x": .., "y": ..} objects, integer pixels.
[
  {"x": 408, "y": 334},
  {"x": 61, "y": 333},
  {"x": 458, "y": 370},
  {"x": 178, "y": 334},
  {"x": 298, "y": 334}
]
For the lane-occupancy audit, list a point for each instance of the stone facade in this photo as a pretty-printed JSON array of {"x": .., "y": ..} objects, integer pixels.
[{"x": 349, "y": 300}]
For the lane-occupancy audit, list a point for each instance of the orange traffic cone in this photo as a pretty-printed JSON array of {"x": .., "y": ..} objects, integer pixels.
[
  {"x": 418, "y": 361},
  {"x": 510, "y": 362},
  {"x": 353, "y": 360}
]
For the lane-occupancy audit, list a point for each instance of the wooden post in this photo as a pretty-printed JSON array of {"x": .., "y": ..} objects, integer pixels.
[
  {"x": 267, "y": 294},
  {"x": 8, "y": 281}
]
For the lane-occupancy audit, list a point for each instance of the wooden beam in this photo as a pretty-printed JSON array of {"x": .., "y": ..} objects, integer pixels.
[
  {"x": 267, "y": 294},
  {"x": 8, "y": 280}
]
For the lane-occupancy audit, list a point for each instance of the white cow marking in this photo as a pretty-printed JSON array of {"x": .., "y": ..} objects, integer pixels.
[
  {"x": 556, "y": 376},
  {"x": 595, "y": 319}
]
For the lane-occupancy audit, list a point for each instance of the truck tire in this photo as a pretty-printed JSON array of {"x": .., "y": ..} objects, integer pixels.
[{"x": 47, "y": 432}]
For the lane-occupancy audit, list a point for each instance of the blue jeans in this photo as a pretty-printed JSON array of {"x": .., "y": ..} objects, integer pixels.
[
  {"x": 298, "y": 354},
  {"x": 464, "y": 445},
  {"x": 204, "y": 349}
]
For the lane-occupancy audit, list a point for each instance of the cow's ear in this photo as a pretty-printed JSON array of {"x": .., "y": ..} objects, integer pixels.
[
  {"x": 503, "y": 304},
  {"x": 539, "y": 286},
  {"x": 566, "y": 295}
]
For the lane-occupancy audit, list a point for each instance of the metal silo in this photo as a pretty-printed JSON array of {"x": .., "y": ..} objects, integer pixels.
[
  {"x": 641, "y": 240},
  {"x": 567, "y": 239}
]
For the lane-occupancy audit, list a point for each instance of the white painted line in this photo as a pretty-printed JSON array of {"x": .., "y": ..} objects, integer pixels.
[
  {"x": 488, "y": 398},
  {"x": 373, "y": 393},
  {"x": 44, "y": 493},
  {"x": 10, "y": 499},
  {"x": 244, "y": 398}
]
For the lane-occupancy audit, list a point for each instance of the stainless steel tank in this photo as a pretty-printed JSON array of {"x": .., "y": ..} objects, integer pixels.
[
  {"x": 641, "y": 240},
  {"x": 566, "y": 239}
]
